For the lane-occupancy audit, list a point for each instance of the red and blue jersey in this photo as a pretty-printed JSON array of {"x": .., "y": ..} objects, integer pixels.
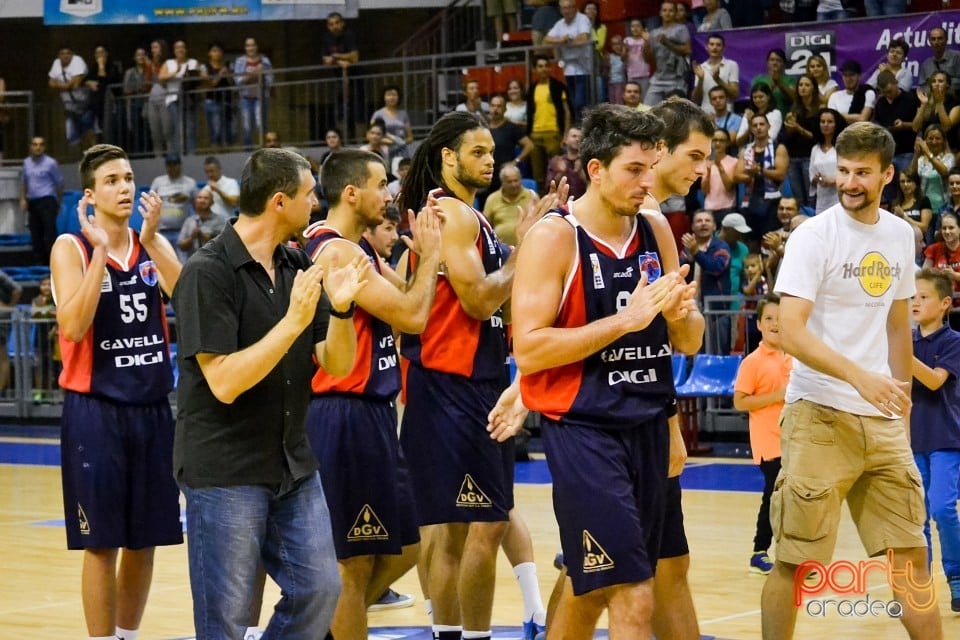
[
  {"x": 124, "y": 355},
  {"x": 630, "y": 380},
  {"x": 375, "y": 373},
  {"x": 453, "y": 342}
]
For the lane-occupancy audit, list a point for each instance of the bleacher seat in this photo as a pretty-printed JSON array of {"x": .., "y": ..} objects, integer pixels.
[
  {"x": 679, "y": 362},
  {"x": 710, "y": 377},
  {"x": 67, "y": 218},
  {"x": 529, "y": 183}
]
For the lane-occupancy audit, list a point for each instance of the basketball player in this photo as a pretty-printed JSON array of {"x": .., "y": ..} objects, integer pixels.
[
  {"x": 352, "y": 421},
  {"x": 117, "y": 428},
  {"x": 592, "y": 338},
  {"x": 454, "y": 372}
]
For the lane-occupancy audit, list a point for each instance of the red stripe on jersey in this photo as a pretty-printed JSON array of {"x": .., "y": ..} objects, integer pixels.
[
  {"x": 77, "y": 360},
  {"x": 553, "y": 391},
  {"x": 355, "y": 381}
]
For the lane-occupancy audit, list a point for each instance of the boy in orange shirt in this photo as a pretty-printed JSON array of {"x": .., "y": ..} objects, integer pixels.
[{"x": 759, "y": 389}]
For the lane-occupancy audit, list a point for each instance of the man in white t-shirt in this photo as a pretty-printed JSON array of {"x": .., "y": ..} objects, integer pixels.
[
  {"x": 176, "y": 191},
  {"x": 855, "y": 102},
  {"x": 845, "y": 284},
  {"x": 716, "y": 71},
  {"x": 67, "y": 75},
  {"x": 226, "y": 191},
  {"x": 573, "y": 35}
]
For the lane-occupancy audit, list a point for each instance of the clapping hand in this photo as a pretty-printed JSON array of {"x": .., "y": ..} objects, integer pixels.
[
  {"x": 91, "y": 230},
  {"x": 149, "y": 208}
]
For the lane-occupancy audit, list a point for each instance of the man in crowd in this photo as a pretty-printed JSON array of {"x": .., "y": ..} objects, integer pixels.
[
  {"x": 503, "y": 207},
  {"x": 40, "y": 198},
  {"x": 226, "y": 191},
  {"x": 572, "y": 35},
  {"x": 670, "y": 46},
  {"x": 176, "y": 191}
]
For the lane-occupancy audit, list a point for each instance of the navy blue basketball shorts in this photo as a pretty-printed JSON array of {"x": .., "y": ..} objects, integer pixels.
[
  {"x": 609, "y": 494},
  {"x": 364, "y": 475},
  {"x": 117, "y": 470},
  {"x": 459, "y": 473},
  {"x": 674, "y": 541}
]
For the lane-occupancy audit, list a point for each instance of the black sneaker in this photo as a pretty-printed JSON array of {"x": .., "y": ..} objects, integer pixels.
[{"x": 392, "y": 600}]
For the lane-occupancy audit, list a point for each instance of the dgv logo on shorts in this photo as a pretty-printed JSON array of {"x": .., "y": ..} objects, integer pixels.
[
  {"x": 84, "y": 523},
  {"x": 471, "y": 496},
  {"x": 594, "y": 557},
  {"x": 367, "y": 526}
]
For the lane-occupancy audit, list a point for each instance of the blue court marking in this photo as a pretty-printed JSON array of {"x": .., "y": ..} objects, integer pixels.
[
  {"x": 423, "y": 633},
  {"x": 43, "y": 453}
]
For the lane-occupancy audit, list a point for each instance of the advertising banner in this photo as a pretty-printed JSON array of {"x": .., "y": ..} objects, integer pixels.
[{"x": 87, "y": 12}]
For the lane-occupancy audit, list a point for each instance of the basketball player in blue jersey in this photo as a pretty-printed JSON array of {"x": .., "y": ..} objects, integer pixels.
[
  {"x": 352, "y": 421},
  {"x": 683, "y": 160},
  {"x": 454, "y": 373},
  {"x": 592, "y": 337},
  {"x": 117, "y": 428}
]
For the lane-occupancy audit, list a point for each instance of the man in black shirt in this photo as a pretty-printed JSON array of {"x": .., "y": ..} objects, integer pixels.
[
  {"x": 338, "y": 50},
  {"x": 895, "y": 110},
  {"x": 247, "y": 326},
  {"x": 511, "y": 143}
]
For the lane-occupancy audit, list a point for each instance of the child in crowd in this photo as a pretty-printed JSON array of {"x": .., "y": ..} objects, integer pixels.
[
  {"x": 760, "y": 387},
  {"x": 754, "y": 285},
  {"x": 617, "y": 70},
  {"x": 935, "y": 417},
  {"x": 43, "y": 310}
]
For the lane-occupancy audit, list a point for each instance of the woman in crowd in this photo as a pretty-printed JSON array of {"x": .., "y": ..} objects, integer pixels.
[
  {"x": 716, "y": 18},
  {"x": 938, "y": 105},
  {"x": 798, "y": 134},
  {"x": 638, "y": 70},
  {"x": 375, "y": 141},
  {"x": 719, "y": 184},
  {"x": 932, "y": 161},
  {"x": 218, "y": 102},
  {"x": 761, "y": 103},
  {"x": 398, "y": 131},
  {"x": 945, "y": 256},
  {"x": 591, "y": 9},
  {"x": 897, "y": 52},
  {"x": 516, "y": 109},
  {"x": 823, "y": 159},
  {"x": 136, "y": 87},
  {"x": 157, "y": 118},
  {"x": 818, "y": 70},
  {"x": 101, "y": 75},
  {"x": 911, "y": 205}
]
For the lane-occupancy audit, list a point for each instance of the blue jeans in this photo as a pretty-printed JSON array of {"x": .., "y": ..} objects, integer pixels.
[
  {"x": 940, "y": 471},
  {"x": 798, "y": 175},
  {"x": 885, "y": 7},
  {"x": 578, "y": 88},
  {"x": 229, "y": 531},
  {"x": 253, "y": 114},
  {"x": 219, "y": 122},
  {"x": 186, "y": 117},
  {"x": 827, "y": 16}
]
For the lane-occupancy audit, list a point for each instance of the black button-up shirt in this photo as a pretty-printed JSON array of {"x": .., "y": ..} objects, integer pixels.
[{"x": 225, "y": 302}]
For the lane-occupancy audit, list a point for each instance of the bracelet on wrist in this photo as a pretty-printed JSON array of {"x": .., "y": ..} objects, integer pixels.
[{"x": 344, "y": 315}]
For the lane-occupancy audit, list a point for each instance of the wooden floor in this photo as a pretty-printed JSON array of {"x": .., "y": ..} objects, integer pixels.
[{"x": 39, "y": 579}]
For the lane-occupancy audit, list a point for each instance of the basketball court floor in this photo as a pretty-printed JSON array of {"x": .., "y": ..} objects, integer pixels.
[{"x": 40, "y": 592}]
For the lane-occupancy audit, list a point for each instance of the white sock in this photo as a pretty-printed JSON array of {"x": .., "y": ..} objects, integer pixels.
[
  {"x": 113, "y": 637},
  {"x": 429, "y": 607},
  {"x": 252, "y": 633},
  {"x": 526, "y": 573},
  {"x": 473, "y": 635},
  {"x": 127, "y": 634}
]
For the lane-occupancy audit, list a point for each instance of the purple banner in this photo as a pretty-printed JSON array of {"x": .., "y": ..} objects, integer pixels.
[{"x": 864, "y": 40}]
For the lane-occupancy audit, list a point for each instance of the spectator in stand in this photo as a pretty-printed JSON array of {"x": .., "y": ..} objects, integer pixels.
[
  {"x": 225, "y": 191},
  {"x": 271, "y": 140},
  {"x": 716, "y": 71},
  {"x": 782, "y": 86},
  {"x": 568, "y": 165},
  {"x": 100, "y": 78},
  {"x": 733, "y": 230},
  {"x": 798, "y": 135},
  {"x": 633, "y": 97},
  {"x": 799, "y": 10},
  {"x": 762, "y": 167},
  {"x": 723, "y": 117},
  {"x": 157, "y": 119},
  {"x": 598, "y": 34},
  {"x": 896, "y": 109},
  {"x": 399, "y": 130},
  {"x": 175, "y": 72},
  {"x": 516, "y": 108},
  {"x": 10, "y": 293},
  {"x": 885, "y": 8},
  {"x": 504, "y": 205},
  {"x": 571, "y": 35},
  {"x": 543, "y": 19},
  {"x": 200, "y": 227},
  {"x": 831, "y": 10},
  {"x": 636, "y": 44},
  {"x": 252, "y": 73},
  {"x": 746, "y": 13},
  {"x": 709, "y": 260},
  {"x": 334, "y": 142},
  {"x": 136, "y": 87},
  {"x": 67, "y": 75},
  {"x": 855, "y": 101},
  {"x": 818, "y": 70},
  {"x": 502, "y": 11},
  {"x": 176, "y": 191},
  {"x": 953, "y": 190},
  {"x": 911, "y": 205},
  {"x": 719, "y": 184},
  {"x": 943, "y": 59},
  {"x": 944, "y": 256},
  {"x": 761, "y": 104},
  {"x": 43, "y": 310},
  {"x": 897, "y": 52},
  {"x": 669, "y": 46},
  {"x": 511, "y": 144},
  {"x": 375, "y": 142},
  {"x": 338, "y": 50},
  {"x": 40, "y": 198},
  {"x": 218, "y": 101},
  {"x": 715, "y": 19},
  {"x": 774, "y": 242},
  {"x": 394, "y": 185},
  {"x": 616, "y": 70},
  {"x": 473, "y": 102},
  {"x": 548, "y": 113},
  {"x": 932, "y": 161},
  {"x": 938, "y": 105},
  {"x": 823, "y": 160}
]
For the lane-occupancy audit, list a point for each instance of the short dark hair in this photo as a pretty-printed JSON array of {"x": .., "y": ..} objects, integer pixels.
[
  {"x": 350, "y": 166},
  {"x": 211, "y": 160},
  {"x": 266, "y": 172},
  {"x": 780, "y": 53},
  {"x": 770, "y": 298},
  {"x": 607, "y": 128},
  {"x": 899, "y": 43},
  {"x": 95, "y": 157},
  {"x": 862, "y": 138},
  {"x": 717, "y": 36},
  {"x": 392, "y": 214},
  {"x": 717, "y": 87},
  {"x": 940, "y": 281},
  {"x": 681, "y": 118},
  {"x": 393, "y": 87},
  {"x": 885, "y": 78}
]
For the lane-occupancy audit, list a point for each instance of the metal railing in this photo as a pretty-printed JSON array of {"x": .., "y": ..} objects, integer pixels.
[{"x": 18, "y": 125}]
